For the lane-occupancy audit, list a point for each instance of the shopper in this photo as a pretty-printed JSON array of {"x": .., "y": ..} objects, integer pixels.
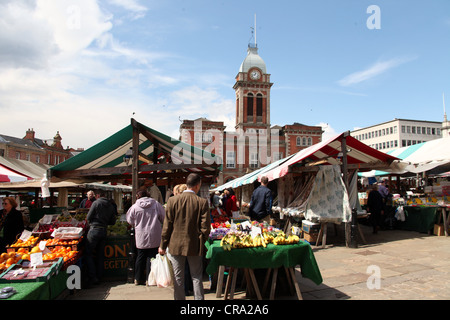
[
  {"x": 186, "y": 228},
  {"x": 260, "y": 207},
  {"x": 375, "y": 207},
  {"x": 11, "y": 223},
  {"x": 232, "y": 208},
  {"x": 101, "y": 214},
  {"x": 147, "y": 217}
]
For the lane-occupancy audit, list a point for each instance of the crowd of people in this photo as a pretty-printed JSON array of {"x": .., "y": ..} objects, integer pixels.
[{"x": 180, "y": 229}]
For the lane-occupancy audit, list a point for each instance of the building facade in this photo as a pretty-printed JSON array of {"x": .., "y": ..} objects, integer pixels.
[
  {"x": 254, "y": 143},
  {"x": 36, "y": 150},
  {"x": 398, "y": 133}
]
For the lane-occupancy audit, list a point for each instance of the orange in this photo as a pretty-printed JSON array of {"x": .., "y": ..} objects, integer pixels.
[
  {"x": 26, "y": 256},
  {"x": 35, "y": 249},
  {"x": 4, "y": 255},
  {"x": 10, "y": 261}
]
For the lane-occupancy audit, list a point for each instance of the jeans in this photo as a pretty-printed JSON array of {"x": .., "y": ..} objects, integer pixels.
[
  {"x": 196, "y": 270},
  {"x": 143, "y": 265},
  {"x": 95, "y": 243}
]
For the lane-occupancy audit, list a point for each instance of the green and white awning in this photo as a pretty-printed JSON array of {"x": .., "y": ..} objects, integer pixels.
[{"x": 105, "y": 160}]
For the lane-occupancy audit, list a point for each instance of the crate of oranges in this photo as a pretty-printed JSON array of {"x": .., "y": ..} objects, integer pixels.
[
  {"x": 19, "y": 243},
  {"x": 7, "y": 259},
  {"x": 74, "y": 243}
]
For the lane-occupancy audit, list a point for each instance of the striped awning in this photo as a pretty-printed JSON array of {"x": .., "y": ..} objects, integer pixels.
[
  {"x": 159, "y": 156},
  {"x": 7, "y": 175},
  {"x": 252, "y": 176},
  {"x": 328, "y": 152},
  {"x": 419, "y": 158}
]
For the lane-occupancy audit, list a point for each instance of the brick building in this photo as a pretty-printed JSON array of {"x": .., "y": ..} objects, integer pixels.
[
  {"x": 254, "y": 143},
  {"x": 36, "y": 150}
]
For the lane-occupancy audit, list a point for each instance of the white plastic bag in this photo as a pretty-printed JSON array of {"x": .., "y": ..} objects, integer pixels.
[{"x": 161, "y": 272}]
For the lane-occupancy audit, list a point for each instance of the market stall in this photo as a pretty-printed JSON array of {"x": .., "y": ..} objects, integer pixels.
[
  {"x": 250, "y": 246},
  {"x": 136, "y": 155}
]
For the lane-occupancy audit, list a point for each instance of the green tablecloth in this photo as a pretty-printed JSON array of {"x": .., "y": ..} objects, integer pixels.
[
  {"x": 420, "y": 218},
  {"x": 45, "y": 290},
  {"x": 263, "y": 258}
]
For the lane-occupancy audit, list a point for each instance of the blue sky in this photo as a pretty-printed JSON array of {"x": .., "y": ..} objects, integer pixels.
[{"x": 84, "y": 67}]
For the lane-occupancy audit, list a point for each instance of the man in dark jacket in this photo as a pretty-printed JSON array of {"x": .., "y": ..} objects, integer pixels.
[
  {"x": 375, "y": 207},
  {"x": 101, "y": 214},
  {"x": 261, "y": 203}
]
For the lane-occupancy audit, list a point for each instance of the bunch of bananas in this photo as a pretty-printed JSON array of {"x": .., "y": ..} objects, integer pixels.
[
  {"x": 236, "y": 240},
  {"x": 281, "y": 239},
  {"x": 259, "y": 241}
]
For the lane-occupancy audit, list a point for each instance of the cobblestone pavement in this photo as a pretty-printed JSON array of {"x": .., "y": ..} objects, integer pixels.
[{"x": 393, "y": 265}]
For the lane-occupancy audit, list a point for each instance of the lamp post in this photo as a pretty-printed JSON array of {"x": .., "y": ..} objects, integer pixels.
[{"x": 132, "y": 253}]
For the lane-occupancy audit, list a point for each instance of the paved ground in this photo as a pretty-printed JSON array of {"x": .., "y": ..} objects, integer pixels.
[{"x": 410, "y": 266}]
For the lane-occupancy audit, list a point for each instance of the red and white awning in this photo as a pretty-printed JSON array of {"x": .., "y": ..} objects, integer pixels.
[
  {"x": 327, "y": 152},
  {"x": 7, "y": 175}
]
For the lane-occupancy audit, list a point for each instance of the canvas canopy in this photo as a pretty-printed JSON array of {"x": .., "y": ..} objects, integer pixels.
[
  {"x": 7, "y": 175},
  {"x": 418, "y": 158},
  {"x": 331, "y": 152},
  {"x": 250, "y": 177},
  {"x": 160, "y": 158}
]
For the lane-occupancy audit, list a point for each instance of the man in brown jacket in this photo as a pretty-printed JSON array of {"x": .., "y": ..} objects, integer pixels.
[{"x": 186, "y": 228}]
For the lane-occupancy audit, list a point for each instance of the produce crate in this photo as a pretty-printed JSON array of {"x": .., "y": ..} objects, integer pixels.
[
  {"x": 68, "y": 243},
  {"x": 29, "y": 247},
  {"x": 40, "y": 274}
]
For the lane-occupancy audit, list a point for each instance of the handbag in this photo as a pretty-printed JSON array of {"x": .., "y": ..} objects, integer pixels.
[{"x": 161, "y": 272}]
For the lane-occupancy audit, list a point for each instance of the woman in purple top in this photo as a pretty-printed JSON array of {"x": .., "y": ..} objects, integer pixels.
[{"x": 146, "y": 216}]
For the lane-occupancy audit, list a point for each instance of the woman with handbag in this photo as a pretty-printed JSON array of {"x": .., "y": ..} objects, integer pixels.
[{"x": 11, "y": 223}]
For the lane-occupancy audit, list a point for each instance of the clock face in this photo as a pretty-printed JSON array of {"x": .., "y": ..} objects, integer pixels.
[{"x": 255, "y": 75}]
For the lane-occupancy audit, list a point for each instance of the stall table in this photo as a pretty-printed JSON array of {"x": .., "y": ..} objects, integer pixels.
[
  {"x": 420, "y": 218},
  {"x": 272, "y": 257}
]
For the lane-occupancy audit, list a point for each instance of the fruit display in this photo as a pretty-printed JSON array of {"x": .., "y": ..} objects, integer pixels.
[
  {"x": 8, "y": 259},
  {"x": 43, "y": 228},
  {"x": 60, "y": 252},
  {"x": 242, "y": 239},
  {"x": 239, "y": 239},
  {"x": 31, "y": 241}
]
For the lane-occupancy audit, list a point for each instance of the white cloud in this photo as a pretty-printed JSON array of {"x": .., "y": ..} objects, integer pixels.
[
  {"x": 329, "y": 131},
  {"x": 373, "y": 71}
]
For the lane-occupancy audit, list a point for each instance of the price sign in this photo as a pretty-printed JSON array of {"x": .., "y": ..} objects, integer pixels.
[
  {"x": 36, "y": 259},
  {"x": 25, "y": 235}
]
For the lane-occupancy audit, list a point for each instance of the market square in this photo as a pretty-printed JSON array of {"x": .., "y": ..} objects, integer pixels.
[{"x": 249, "y": 174}]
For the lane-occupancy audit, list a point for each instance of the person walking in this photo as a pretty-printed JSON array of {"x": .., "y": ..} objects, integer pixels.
[
  {"x": 101, "y": 214},
  {"x": 147, "y": 217},
  {"x": 186, "y": 228},
  {"x": 260, "y": 206}
]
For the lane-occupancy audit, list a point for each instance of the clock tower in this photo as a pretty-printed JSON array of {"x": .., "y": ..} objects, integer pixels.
[{"x": 252, "y": 89}]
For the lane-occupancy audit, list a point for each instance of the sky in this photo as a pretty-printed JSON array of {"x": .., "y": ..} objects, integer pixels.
[{"x": 86, "y": 67}]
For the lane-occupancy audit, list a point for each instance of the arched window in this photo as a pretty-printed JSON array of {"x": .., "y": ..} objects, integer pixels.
[
  {"x": 304, "y": 141},
  {"x": 309, "y": 142},
  {"x": 299, "y": 141},
  {"x": 259, "y": 105},
  {"x": 250, "y": 105}
]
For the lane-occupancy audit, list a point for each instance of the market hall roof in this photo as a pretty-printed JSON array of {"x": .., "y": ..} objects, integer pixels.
[{"x": 105, "y": 160}]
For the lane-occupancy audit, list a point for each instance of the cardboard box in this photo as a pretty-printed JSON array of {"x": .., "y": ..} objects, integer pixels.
[
  {"x": 310, "y": 237},
  {"x": 310, "y": 227}
]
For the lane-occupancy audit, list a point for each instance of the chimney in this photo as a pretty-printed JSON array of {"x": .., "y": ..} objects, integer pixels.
[{"x": 29, "y": 135}]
